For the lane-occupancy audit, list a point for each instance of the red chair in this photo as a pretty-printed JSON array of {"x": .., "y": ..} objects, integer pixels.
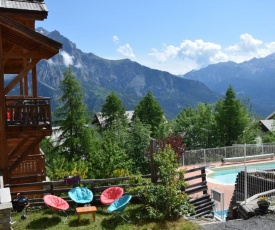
[
  {"x": 111, "y": 194},
  {"x": 56, "y": 204}
]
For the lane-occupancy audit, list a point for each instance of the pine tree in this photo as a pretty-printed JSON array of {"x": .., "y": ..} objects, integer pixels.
[
  {"x": 231, "y": 118},
  {"x": 72, "y": 118},
  {"x": 113, "y": 111},
  {"x": 150, "y": 113}
]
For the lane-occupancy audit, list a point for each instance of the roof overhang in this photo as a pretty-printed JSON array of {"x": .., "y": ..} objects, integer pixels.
[
  {"x": 20, "y": 44},
  {"x": 32, "y": 9}
]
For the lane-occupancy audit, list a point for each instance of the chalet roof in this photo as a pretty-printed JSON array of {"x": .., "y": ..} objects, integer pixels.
[
  {"x": 35, "y": 44},
  {"x": 270, "y": 116},
  {"x": 32, "y": 8},
  {"x": 268, "y": 124},
  {"x": 37, "y": 5}
]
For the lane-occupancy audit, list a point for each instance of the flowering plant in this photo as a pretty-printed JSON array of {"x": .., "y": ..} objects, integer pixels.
[{"x": 263, "y": 200}]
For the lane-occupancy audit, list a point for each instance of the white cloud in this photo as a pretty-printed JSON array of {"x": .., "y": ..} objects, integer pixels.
[
  {"x": 78, "y": 65},
  {"x": 198, "y": 53},
  {"x": 126, "y": 51},
  {"x": 115, "y": 39},
  {"x": 67, "y": 59},
  {"x": 248, "y": 48},
  {"x": 246, "y": 44},
  {"x": 168, "y": 52},
  {"x": 50, "y": 61}
]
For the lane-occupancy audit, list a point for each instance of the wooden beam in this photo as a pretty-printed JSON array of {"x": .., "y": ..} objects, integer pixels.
[
  {"x": 10, "y": 50},
  {"x": 34, "y": 82},
  {"x": 21, "y": 75},
  {"x": 25, "y": 153},
  {"x": 30, "y": 34},
  {"x": 18, "y": 147},
  {"x": 3, "y": 118},
  {"x": 26, "y": 82},
  {"x": 37, "y": 54}
]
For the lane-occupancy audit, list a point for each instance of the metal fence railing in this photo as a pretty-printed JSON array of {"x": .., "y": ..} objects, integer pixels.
[
  {"x": 207, "y": 156},
  {"x": 254, "y": 179}
]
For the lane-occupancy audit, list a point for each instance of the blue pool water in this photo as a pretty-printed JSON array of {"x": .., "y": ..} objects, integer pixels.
[
  {"x": 227, "y": 175},
  {"x": 219, "y": 214}
]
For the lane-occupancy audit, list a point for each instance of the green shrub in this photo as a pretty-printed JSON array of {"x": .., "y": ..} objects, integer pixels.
[{"x": 164, "y": 200}]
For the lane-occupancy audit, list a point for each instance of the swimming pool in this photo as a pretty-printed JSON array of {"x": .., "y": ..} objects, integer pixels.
[{"x": 227, "y": 174}]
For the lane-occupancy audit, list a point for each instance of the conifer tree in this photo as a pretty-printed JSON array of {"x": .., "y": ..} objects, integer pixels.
[
  {"x": 113, "y": 111},
  {"x": 72, "y": 119},
  {"x": 231, "y": 118},
  {"x": 150, "y": 113}
]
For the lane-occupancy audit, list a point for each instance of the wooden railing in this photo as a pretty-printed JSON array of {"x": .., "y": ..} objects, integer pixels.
[
  {"x": 28, "y": 111},
  {"x": 32, "y": 165}
]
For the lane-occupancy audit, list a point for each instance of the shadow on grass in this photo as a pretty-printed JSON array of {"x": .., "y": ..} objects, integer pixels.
[
  {"x": 84, "y": 222},
  {"x": 110, "y": 223},
  {"x": 43, "y": 223},
  {"x": 115, "y": 221}
]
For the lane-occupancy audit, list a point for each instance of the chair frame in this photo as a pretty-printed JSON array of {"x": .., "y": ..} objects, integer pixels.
[
  {"x": 56, "y": 214},
  {"x": 120, "y": 212},
  {"x": 57, "y": 210}
]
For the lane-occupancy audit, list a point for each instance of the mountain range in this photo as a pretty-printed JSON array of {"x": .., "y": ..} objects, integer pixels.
[
  {"x": 131, "y": 81},
  {"x": 253, "y": 80}
]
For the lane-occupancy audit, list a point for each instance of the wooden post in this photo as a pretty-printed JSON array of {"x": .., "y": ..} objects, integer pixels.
[
  {"x": 52, "y": 189},
  {"x": 203, "y": 178},
  {"x": 153, "y": 149},
  {"x": 25, "y": 78},
  {"x": 21, "y": 87},
  {"x": 34, "y": 82},
  {"x": 3, "y": 118}
]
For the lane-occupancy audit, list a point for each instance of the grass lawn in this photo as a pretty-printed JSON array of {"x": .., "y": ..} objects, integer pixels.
[{"x": 39, "y": 218}]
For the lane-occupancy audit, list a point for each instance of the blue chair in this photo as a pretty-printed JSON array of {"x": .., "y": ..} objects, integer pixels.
[
  {"x": 81, "y": 195},
  {"x": 118, "y": 206}
]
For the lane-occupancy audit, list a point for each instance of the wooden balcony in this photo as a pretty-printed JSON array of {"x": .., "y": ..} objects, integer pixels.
[
  {"x": 28, "y": 114},
  {"x": 32, "y": 169}
]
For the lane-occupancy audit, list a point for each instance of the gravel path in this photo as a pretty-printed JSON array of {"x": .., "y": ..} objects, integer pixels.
[{"x": 266, "y": 222}]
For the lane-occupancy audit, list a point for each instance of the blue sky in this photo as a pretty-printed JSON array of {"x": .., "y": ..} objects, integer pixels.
[{"x": 175, "y": 36}]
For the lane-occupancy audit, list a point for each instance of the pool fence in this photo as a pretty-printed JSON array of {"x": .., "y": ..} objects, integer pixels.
[
  {"x": 249, "y": 181},
  {"x": 211, "y": 155},
  {"x": 219, "y": 210},
  {"x": 253, "y": 180}
]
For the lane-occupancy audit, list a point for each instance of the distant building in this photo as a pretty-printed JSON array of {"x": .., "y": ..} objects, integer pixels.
[
  {"x": 100, "y": 120},
  {"x": 268, "y": 124}
]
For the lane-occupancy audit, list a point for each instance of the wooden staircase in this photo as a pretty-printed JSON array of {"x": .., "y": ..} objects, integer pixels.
[{"x": 203, "y": 204}]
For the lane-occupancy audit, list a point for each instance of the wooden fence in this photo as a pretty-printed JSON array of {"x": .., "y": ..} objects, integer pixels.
[{"x": 196, "y": 178}]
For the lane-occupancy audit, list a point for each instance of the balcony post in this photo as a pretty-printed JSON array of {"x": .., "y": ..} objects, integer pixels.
[{"x": 3, "y": 118}]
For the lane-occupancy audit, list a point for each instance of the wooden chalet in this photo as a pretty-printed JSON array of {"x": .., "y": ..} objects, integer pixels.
[{"x": 25, "y": 119}]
